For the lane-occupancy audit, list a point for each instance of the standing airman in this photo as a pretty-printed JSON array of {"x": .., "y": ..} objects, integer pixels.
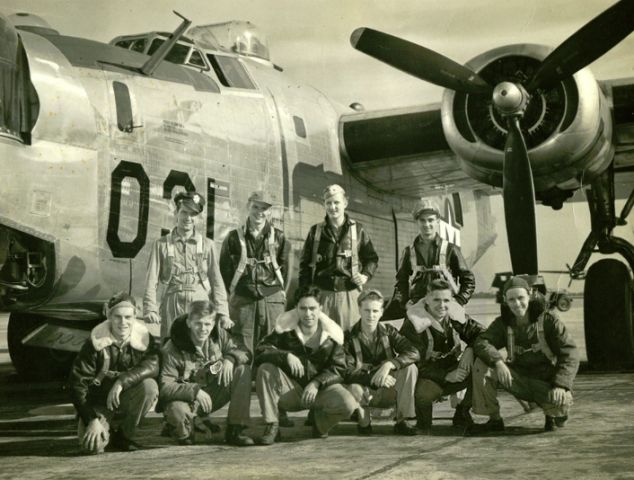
[
  {"x": 253, "y": 263},
  {"x": 430, "y": 257},
  {"x": 339, "y": 258},
  {"x": 183, "y": 267}
]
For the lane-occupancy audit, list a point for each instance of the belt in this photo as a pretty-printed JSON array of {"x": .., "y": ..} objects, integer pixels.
[
  {"x": 182, "y": 288},
  {"x": 341, "y": 284}
]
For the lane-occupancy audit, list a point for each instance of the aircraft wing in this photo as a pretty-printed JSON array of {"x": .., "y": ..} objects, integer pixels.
[{"x": 403, "y": 151}]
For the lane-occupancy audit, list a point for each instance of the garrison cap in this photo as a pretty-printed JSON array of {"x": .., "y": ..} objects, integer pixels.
[
  {"x": 260, "y": 196},
  {"x": 332, "y": 190},
  {"x": 425, "y": 205},
  {"x": 192, "y": 200},
  {"x": 516, "y": 282}
]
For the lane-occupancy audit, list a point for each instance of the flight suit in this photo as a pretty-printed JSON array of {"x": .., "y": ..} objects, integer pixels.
[
  {"x": 255, "y": 281},
  {"x": 444, "y": 364},
  {"x": 536, "y": 364},
  {"x": 181, "y": 271},
  {"x": 329, "y": 260},
  {"x": 101, "y": 362},
  {"x": 412, "y": 280},
  {"x": 324, "y": 363},
  {"x": 364, "y": 357},
  {"x": 186, "y": 369}
]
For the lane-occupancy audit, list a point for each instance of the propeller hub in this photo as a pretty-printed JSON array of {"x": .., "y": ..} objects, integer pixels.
[{"x": 510, "y": 98}]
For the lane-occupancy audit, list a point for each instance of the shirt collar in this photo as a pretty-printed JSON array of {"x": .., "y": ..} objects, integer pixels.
[
  {"x": 320, "y": 331},
  {"x": 178, "y": 238}
]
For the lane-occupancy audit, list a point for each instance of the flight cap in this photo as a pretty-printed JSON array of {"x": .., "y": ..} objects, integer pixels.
[
  {"x": 516, "y": 282},
  {"x": 372, "y": 292},
  {"x": 192, "y": 200},
  {"x": 425, "y": 205},
  {"x": 261, "y": 196},
  {"x": 332, "y": 190}
]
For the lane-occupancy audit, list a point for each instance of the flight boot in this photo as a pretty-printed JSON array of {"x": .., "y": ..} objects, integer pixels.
[
  {"x": 271, "y": 434},
  {"x": 554, "y": 423},
  {"x": 234, "y": 436},
  {"x": 491, "y": 426},
  {"x": 462, "y": 417}
]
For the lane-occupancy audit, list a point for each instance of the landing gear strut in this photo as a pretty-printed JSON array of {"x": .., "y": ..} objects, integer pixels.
[{"x": 607, "y": 303}]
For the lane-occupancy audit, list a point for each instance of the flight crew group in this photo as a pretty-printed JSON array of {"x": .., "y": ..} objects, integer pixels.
[{"x": 329, "y": 354}]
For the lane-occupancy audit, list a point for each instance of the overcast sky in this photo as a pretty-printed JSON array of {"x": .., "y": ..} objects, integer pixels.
[{"x": 310, "y": 38}]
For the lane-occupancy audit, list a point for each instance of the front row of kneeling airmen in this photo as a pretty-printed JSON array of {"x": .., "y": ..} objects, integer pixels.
[{"x": 329, "y": 354}]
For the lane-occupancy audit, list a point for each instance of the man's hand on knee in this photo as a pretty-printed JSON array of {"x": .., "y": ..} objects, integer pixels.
[
  {"x": 503, "y": 373},
  {"x": 310, "y": 393},
  {"x": 204, "y": 401},
  {"x": 296, "y": 366},
  {"x": 382, "y": 376},
  {"x": 94, "y": 435},
  {"x": 559, "y": 396},
  {"x": 113, "y": 401},
  {"x": 225, "y": 377}
]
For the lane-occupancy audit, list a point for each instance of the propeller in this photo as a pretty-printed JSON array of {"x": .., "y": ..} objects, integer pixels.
[
  {"x": 418, "y": 61},
  {"x": 519, "y": 201},
  {"x": 585, "y": 45},
  {"x": 510, "y": 99}
]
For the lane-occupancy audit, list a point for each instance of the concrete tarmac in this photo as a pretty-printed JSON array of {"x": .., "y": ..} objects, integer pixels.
[{"x": 38, "y": 440}]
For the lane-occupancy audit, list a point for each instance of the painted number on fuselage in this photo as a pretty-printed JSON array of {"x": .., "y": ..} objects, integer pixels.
[
  {"x": 125, "y": 169},
  {"x": 119, "y": 248}
]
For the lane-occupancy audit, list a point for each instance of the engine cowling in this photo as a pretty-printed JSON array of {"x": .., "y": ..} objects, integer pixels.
[{"x": 568, "y": 128}]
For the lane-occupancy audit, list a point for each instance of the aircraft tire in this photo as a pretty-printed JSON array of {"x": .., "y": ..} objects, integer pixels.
[
  {"x": 35, "y": 363},
  {"x": 607, "y": 308},
  {"x": 563, "y": 303}
]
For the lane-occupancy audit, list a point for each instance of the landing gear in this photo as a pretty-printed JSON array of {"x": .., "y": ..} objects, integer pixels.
[
  {"x": 563, "y": 302},
  {"x": 608, "y": 315},
  {"x": 35, "y": 363}
]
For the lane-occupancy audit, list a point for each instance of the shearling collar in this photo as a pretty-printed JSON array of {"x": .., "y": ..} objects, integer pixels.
[
  {"x": 422, "y": 319},
  {"x": 329, "y": 329},
  {"x": 180, "y": 336},
  {"x": 101, "y": 336}
]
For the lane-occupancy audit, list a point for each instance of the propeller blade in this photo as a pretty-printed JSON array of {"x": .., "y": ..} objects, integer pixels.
[
  {"x": 519, "y": 202},
  {"x": 418, "y": 61},
  {"x": 585, "y": 45}
]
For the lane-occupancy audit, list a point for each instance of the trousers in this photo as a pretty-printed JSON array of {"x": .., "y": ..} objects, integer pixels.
[
  {"x": 277, "y": 390},
  {"x": 180, "y": 415},
  {"x": 134, "y": 403},
  {"x": 254, "y": 319},
  {"x": 342, "y": 307},
  {"x": 485, "y": 383},
  {"x": 401, "y": 394}
]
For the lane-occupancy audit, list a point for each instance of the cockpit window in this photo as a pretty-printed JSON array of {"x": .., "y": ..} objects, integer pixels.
[
  {"x": 124, "y": 44},
  {"x": 196, "y": 59},
  {"x": 139, "y": 45},
  {"x": 178, "y": 53},
  {"x": 230, "y": 72},
  {"x": 236, "y": 36}
]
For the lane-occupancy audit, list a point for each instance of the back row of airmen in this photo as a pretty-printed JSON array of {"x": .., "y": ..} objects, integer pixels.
[{"x": 329, "y": 354}]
